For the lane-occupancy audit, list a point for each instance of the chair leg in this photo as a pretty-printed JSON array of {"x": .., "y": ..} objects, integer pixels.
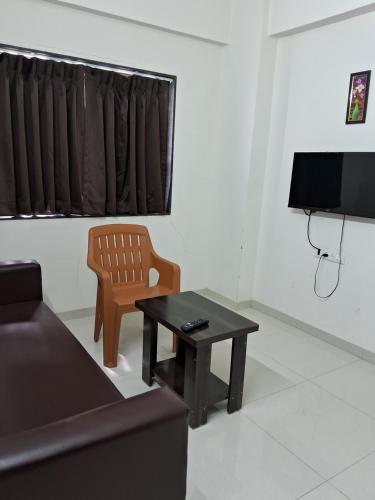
[
  {"x": 111, "y": 334},
  {"x": 98, "y": 315},
  {"x": 116, "y": 336}
]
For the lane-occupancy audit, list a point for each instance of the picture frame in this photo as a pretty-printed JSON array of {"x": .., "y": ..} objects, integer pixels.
[{"x": 358, "y": 97}]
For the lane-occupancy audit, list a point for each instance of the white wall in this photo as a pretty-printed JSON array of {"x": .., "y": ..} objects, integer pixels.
[
  {"x": 243, "y": 118},
  {"x": 60, "y": 245},
  {"x": 308, "y": 114},
  {"x": 295, "y": 15},
  {"x": 208, "y": 19},
  {"x": 251, "y": 216}
]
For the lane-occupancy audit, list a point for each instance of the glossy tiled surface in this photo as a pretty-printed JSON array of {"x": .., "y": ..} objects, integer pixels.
[
  {"x": 316, "y": 426},
  {"x": 233, "y": 458},
  {"x": 306, "y": 429},
  {"x": 352, "y": 383}
]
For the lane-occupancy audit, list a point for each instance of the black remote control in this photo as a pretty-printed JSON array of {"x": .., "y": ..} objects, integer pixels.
[{"x": 192, "y": 325}]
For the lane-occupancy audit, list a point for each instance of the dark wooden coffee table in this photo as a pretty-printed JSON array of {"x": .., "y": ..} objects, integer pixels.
[{"x": 189, "y": 372}]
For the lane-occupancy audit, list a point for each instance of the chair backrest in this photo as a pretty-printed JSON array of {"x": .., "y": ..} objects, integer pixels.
[{"x": 124, "y": 250}]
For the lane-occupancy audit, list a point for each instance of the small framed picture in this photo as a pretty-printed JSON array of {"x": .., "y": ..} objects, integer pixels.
[{"x": 357, "y": 98}]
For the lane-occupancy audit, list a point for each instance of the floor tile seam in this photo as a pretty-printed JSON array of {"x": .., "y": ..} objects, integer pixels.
[
  {"x": 295, "y": 332},
  {"x": 298, "y": 373},
  {"x": 271, "y": 358},
  {"x": 350, "y": 405},
  {"x": 278, "y": 362},
  {"x": 261, "y": 398},
  {"x": 285, "y": 366},
  {"x": 322, "y": 389},
  {"x": 309, "y": 336},
  {"x": 291, "y": 451},
  {"x": 285, "y": 448},
  {"x": 362, "y": 459},
  {"x": 337, "y": 368},
  {"x": 322, "y": 343},
  {"x": 310, "y": 491},
  {"x": 319, "y": 486}
]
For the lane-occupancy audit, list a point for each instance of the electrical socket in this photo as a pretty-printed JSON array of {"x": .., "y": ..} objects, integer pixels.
[{"x": 332, "y": 256}]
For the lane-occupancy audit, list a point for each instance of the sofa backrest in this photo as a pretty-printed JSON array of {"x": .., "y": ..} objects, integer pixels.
[{"x": 20, "y": 281}]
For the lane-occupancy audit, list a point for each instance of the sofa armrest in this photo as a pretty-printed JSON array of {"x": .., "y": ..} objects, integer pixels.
[
  {"x": 136, "y": 448},
  {"x": 20, "y": 281}
]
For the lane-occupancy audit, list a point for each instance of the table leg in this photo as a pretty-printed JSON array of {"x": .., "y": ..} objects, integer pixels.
[
  {"x": 237, "y": 373},
  {"x": 197, "y": 369},
  {"x": 179, "y": 366},
  {"x": 180, "y": 351},
  {"x": 150, "y": 342}
]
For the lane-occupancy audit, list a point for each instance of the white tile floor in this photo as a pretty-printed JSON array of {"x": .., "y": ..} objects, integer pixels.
[{"x": 306, "y": 429}]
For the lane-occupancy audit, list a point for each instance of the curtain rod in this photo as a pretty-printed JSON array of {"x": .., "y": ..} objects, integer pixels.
[{"x": 29, "y": 53}]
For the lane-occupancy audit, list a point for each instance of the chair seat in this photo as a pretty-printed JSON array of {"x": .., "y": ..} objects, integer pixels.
[{"x": 125, "y": 295}]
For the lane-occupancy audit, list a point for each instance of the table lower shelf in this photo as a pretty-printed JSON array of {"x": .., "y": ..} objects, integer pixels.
[{"x": 172, "y": 374}]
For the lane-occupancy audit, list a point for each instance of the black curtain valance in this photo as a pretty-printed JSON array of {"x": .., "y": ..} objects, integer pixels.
[{"x": 81, "y": 140}]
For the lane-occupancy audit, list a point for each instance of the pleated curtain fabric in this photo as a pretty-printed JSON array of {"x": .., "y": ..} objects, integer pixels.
[{"x": 78, "y": 140}]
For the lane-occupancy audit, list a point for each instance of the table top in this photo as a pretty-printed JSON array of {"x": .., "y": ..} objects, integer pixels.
[{"x": 172, "y": 311}]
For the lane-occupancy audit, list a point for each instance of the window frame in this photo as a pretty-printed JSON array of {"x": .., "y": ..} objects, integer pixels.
[{"x": 28, "y": 52}]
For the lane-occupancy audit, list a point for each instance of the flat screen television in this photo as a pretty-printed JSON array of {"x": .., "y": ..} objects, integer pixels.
[{"x": 341, "y": 183}]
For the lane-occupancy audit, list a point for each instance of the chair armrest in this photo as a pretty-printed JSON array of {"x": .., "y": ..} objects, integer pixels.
[
  {"x": 102, "y": 453},
  {"x": 102, "y": 275},
  {"x": 20, "y": 281},
  {"x": 169, "y": 272},
  {"x": 100, "y": 272}
]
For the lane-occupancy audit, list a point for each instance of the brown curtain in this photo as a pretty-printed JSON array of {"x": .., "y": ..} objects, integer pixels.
[
  {"x": 125, "y": 167},
  {"x": 80, "y": 140},
  {"x": 41, "y": 103}
]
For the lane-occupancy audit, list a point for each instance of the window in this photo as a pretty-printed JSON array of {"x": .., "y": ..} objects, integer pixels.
[{"x": 80, "y": 138}]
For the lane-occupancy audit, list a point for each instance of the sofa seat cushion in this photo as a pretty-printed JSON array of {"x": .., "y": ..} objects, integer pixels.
[{"x": 45, "y": 373}]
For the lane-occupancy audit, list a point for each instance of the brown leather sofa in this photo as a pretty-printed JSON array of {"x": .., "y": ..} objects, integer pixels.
[{"x": 66, "y": 433}]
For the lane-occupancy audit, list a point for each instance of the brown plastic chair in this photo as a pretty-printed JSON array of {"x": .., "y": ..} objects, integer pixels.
[{"x": 122, "y": 255}]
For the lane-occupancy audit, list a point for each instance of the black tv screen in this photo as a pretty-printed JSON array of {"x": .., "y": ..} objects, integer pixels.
[{"x": 341, "y": 183}]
